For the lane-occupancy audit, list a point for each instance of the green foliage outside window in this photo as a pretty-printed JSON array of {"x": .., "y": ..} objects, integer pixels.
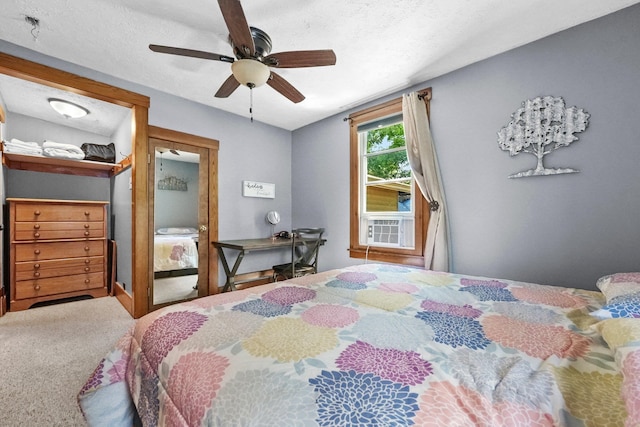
[{"x": 391, "y": 165}]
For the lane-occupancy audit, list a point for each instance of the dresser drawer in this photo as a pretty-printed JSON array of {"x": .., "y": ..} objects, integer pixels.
[
  {"x": 58, "y": 230},
  {"x": 58, "y": 212},
  {"x": 57, "y": 285},
  {"x": 58, "y": 267},
  {"x": 56, "y": 250}
]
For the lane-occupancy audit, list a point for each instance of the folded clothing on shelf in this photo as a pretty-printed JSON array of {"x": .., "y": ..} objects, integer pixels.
[
  {"x": 57, "y": 149},
  {"x": 17, "y": 146}
]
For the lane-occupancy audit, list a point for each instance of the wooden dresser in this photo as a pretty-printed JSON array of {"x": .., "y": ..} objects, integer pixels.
[{"x": 58, "y": 250}]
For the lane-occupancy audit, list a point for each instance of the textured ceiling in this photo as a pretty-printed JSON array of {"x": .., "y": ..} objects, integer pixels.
[
  {"x": 31, "y": 99},
  {"x": 381, "y": 46}
]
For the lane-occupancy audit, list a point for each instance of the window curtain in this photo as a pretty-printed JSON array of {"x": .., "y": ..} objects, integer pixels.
[{"x": 424, "y": 164}]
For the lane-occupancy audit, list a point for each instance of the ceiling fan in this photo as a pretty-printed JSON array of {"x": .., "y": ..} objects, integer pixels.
[
  {"x": 252, "y": 49},
  {"x": 163, "y": 150},
  {"x": 171, "y": 150}
]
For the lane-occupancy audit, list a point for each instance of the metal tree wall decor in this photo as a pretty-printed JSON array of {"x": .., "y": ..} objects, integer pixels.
[{"x": 539, "y": 127}]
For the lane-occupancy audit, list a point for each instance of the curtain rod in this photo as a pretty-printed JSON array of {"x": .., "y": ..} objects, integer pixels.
[{"x": 423, "y": 94}]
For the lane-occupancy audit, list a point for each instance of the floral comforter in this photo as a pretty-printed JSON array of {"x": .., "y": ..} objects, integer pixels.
[
  {"x": 175, "y": 252},
  {"x": 370, "y": 345}
]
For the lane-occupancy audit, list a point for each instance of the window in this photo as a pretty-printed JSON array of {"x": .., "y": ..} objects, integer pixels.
[
  {"x": 386, "y": 213},
  {"x": 387, "y": 209}
]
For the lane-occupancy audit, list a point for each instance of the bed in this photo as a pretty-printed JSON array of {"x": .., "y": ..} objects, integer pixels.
[
  {"x": 175, "y": 251},
  {"x": 379, "y": 344}
]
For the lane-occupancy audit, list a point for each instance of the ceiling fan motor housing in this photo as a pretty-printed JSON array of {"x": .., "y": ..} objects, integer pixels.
[{"x": 262, "y": 43}]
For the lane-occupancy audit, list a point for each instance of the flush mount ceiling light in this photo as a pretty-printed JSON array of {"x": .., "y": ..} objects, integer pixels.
[{"x": 68, "y": 109}]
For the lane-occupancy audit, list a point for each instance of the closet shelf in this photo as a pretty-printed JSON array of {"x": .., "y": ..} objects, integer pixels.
[{"x": 64, "y": 166}]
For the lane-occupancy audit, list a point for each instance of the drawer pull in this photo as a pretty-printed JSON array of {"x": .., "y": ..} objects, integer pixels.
[
  {"x": 36, "y": 234},
  {"x": 36, "y": 274},
  {"x": 36, "y": 226},
  {"x": 36, "y": 266},
  {"x": 86, "y": 213},
  {"x": 87, "y": 281},
  {"x": 86, "y": 248},
  {"x": 36, "y": 213},
  {"x": 87, "y": 269},
  {"x": 36, "y": 287},
  {"x": 86, "y": 226},
  {"x": 37, "y": 252},
  {"x": 86, "y": 233},
  {"x": 86, "y": 261}
]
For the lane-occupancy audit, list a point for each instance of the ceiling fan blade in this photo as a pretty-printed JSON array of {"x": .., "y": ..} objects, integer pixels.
[
  {"x": 301, "y": 58},
  {"x": 190, "y": 53},
  {"x": 285, "y": 88},
  {"x": 227, "y": 87},
  {"x": 238, "y": 28}
]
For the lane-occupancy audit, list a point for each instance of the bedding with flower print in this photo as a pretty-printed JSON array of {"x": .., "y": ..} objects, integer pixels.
[
  {"x": 370, "y": 345},
  {"x": 622, "y": 292},
  {"x": 623, "y": 337}
]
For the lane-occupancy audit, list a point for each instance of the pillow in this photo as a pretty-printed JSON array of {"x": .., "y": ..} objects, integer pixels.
[
  {"x": 177, "y": 230},
  {"x": 622, "y": 292},
  {"x": 623, "y": 338},
  {"x": 619, "y": 332},
  {"x": 618, "y": 284}
]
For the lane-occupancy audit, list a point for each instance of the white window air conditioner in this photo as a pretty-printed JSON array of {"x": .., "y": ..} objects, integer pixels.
[{"x": 385, "y": 232}]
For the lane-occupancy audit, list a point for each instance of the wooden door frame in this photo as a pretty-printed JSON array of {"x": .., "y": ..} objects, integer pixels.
[{"x": 212, "y": 145}]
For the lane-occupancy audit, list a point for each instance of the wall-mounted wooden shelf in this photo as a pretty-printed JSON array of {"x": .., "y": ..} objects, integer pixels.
[{"x": 64, "y": 166}]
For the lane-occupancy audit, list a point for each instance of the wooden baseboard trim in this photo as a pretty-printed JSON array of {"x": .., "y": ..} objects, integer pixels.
[
  {"x": 252, "y": 283},
  {"x": 3, "y": 305},
  {"x": 125, "y": 298},
  {"x": 26, "y": 303},
  {"x": 251, "y": 279},
  {"x": 253, "y": 276}
]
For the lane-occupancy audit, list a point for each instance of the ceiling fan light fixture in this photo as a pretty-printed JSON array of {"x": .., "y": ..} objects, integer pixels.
[
  {"x": 250, "y": 72},
  {"x": 67, "y": 109}
]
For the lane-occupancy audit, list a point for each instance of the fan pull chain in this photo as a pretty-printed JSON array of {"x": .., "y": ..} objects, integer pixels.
[{"x": 251, "y": 103}]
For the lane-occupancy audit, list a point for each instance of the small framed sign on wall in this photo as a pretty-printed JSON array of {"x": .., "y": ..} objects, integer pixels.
[{"x": 258, "y": 189}]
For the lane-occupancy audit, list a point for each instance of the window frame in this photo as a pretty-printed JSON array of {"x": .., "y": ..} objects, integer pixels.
[{"x": 405, "y": 256}]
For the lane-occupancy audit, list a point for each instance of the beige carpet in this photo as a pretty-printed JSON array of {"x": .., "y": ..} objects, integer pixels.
[
  {"x": 46, "y": 355},
  {"x": 171, "y": 289}
]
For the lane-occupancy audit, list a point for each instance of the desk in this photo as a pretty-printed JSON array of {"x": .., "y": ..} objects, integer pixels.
[{"x": 245, "y": 246}]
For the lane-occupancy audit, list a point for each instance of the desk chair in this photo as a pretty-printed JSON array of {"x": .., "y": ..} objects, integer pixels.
[{"x": 305, "y": 244}]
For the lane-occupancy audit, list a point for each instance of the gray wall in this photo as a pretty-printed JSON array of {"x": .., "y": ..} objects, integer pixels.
[
  {"x": 49, "y": 185},
  {"x": 562, "y": 230},
  {"x": 177, "y": 208},
  {"x": 31, "y": 129},
  {"x": 121, "y": 209}
]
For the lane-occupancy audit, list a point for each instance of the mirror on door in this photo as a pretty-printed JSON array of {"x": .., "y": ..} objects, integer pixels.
[{"x": 176, "y": 196}]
